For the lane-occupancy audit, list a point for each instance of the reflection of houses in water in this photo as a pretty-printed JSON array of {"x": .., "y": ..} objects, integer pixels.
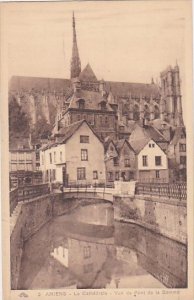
[
  {"x": 86, "y": 260},
  {"x": 165, "y": 259}
]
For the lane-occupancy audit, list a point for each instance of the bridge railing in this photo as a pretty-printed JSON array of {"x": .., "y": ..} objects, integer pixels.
[
  {"x": 26, "y": 193},
  {"x": 168, "y": 190}
]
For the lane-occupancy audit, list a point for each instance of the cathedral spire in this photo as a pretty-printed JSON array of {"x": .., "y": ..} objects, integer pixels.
[{"x": 75, "y": 60}]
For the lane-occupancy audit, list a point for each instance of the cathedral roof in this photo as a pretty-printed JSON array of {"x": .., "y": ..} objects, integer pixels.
[
  {"x": 125, "y": 89},
  {"x": 118, "y": 89},
  {"x": 87, "y": 74},
  {"x": 38, "y": 83},
  {"x": 92, "y": 100}
]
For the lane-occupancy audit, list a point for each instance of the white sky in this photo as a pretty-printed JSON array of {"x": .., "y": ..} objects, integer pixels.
[{"x": 123, "y": 41}]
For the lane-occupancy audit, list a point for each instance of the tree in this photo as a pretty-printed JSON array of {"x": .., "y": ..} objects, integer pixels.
[{"x": 18, "y": 119}]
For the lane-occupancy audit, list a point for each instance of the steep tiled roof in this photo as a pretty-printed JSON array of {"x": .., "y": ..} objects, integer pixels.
[
  {"x": 138, "y": 145},
  {"x": 120, "y": 143},
  {"x": 92, "y": 100},
  {"x": 87, "y": 74},
  {"x": 154, "y": 134},
  {"x": 66, "y": 132},
  {"x": 135, "y": 89},
  {"x": 39, "y": 83}
]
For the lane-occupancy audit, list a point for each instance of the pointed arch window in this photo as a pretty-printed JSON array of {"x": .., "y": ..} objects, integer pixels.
[{"x": 156, "y": 112}]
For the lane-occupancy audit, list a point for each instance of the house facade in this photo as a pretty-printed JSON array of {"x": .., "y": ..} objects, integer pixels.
[
  {"x": 76, "y": 156},
  {"x": 177, "y": 155},
  {"x": 23, "y": 163},
  {"x": 152, "y": 164},
  {"x": 120, "y": 161}
]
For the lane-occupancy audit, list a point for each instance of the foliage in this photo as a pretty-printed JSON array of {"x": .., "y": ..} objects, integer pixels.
[{"x": 18, "y": 120}]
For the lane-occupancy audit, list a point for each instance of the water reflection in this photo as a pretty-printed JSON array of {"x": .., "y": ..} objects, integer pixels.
[{"x": 68, "y": 253}]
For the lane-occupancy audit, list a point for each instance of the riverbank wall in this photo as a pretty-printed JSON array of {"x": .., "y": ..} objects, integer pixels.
[{"x": 161, "y": 215}]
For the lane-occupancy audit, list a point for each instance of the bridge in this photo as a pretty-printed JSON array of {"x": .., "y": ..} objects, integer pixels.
[{"x": 176, "y": 191}]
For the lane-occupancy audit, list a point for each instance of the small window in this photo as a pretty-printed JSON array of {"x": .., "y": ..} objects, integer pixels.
[
  {"x": 87, "y": 252},
  {"x": 127, "y": 162},
  {"x": 150, "y": 145},
  {"x": 61, "y": 156},
  {"x": 84, "y": 154},
  {"x": 116, "y": 175},
  {"x": 183, "y": 160},
  {"x": 153, "y": 145},
  {"x": 110, "y": 175},
  {"x": 103, "y": 105},
  {"x": 182, "y": 147},
  {"x": 158, "y": 160},
  {"x": 157, "y": 174},
  {"x": 84, "y": 139},
  {"x": 50, "y": 155},
  {"x": 78, "y": 117},
  {"x": 81, "y": 104},
  {"x": 54, "y": 174},
  {"x": 145, "y": 160},
  {"x": 81, "y": 173},
  {"x": 116, "y": 161},
  {"x": 95, "y": 174}
]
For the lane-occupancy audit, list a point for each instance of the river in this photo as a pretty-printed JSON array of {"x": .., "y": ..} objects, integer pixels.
[{"x": 88, "y": 249}]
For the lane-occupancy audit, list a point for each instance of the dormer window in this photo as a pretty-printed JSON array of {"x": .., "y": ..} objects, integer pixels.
[
  {"x": 103, "y": 105},
  {"x": 81, "y": 103}
]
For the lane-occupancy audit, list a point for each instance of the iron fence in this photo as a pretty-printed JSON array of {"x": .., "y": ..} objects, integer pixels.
[
  {"x": 168, "y": 190},
  {"x": 23, "y": 193}
]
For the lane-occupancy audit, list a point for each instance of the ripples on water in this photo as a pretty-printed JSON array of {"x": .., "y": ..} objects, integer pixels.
[{"x": 87, "y": 249}]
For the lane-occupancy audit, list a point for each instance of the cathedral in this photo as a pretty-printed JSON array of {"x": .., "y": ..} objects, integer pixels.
[{"x": 111, "y": 108}]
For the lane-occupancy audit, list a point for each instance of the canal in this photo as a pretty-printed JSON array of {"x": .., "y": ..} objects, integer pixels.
[{"x": 88, "y": 249}]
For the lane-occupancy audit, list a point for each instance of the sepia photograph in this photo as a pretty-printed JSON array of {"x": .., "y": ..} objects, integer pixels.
[{"x": 98, "y": 130}]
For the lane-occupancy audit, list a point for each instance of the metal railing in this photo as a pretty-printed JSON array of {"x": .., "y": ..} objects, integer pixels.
[
  {"x": 23, "y": 193},
  {"x": 168, "y": 190}
]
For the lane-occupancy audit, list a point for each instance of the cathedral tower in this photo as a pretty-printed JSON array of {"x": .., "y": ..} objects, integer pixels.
[
  {"x": 75, "y": 60},
  {"x": 171, "y": 94}
]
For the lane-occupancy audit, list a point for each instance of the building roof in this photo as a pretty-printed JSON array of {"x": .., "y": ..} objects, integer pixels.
[
  {"x": 108, "y": 140},
  {"x": 92, "y": 100},
  {"x": 87, "y": 74},
  {"x": 118, "y": 89},
  {"x": 123, "y": 89},
  {"x": 120, "y": 143},
  {"x": 38, "y": 83},
  {"x": 177, "y": 135},
  {"x": 67, "y": 132},
  {"x": 154, "y": 134}
]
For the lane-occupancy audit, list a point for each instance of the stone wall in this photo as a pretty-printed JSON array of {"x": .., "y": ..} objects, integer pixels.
[{"x": 164, "y": 216}]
